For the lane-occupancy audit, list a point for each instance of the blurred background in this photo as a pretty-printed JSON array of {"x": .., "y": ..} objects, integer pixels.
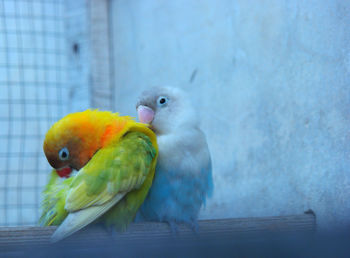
[{"x": 270, "y": 80}]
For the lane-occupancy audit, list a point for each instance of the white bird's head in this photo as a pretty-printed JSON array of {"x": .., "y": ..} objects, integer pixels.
[{"x": 165, "y": 109}]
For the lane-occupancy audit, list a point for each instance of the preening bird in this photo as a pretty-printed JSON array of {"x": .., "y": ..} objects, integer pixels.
[
  {"x": 183, "y": 177},
  {"x": 115, "y": 158}
]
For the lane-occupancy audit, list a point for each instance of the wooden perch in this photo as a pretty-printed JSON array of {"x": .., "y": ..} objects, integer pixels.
[{"x": 14, "y": 238}]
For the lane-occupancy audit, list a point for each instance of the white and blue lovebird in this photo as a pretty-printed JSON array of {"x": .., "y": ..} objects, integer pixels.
[{"x": 183, "y": 177}]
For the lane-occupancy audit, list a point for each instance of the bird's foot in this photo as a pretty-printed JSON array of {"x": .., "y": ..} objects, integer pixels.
[
  {"x": 194, "y": 226},
  {"x": 111, "y": 232},
  {"x": 173, "y": 227}
]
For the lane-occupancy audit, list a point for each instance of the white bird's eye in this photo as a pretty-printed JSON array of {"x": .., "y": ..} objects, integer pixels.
[
  {"x": 63, "y": 154},
  {"x": 162, "y": 100}
]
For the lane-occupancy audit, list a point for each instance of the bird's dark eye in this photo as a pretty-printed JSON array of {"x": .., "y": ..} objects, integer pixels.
[
  {"x": 162, "y": 100},
  {"x": 63, "y": 154}
]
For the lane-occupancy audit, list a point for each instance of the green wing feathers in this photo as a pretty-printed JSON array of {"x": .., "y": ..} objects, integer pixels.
[
  {"x": 53, "y": 212},
  {"x": 118, "y": 168},
  {"x": 143, "y": 161}
]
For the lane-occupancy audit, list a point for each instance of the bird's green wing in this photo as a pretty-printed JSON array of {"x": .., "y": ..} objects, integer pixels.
[
  {"x": 114, "y": 172},
  {"x": 55, "y": 192}
]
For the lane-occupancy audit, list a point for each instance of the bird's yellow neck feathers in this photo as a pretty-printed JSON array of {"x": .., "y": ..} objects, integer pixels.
[{"x": 96, "y": 127}]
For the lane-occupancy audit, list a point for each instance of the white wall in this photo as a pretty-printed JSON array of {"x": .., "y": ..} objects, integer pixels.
[{"x": 271, "y": 83}]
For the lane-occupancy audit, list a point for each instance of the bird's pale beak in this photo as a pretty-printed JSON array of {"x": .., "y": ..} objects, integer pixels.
[{"x": 145, "y": 114}]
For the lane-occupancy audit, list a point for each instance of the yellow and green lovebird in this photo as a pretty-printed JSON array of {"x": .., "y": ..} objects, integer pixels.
[{"x": 115, "y": 158}]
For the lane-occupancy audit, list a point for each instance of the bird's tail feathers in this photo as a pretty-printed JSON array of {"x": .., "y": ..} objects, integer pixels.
[{"x": 79, "y": 219}]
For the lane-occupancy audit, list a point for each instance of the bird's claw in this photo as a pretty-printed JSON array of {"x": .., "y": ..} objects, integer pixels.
[
  {"x": 111, "y": 232},
  {"x": 194, "y": 226},
  {"x": 173, "y": 227}
]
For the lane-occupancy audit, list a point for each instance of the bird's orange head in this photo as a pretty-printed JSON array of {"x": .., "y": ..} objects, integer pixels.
[{"x": 72, "y": 141}]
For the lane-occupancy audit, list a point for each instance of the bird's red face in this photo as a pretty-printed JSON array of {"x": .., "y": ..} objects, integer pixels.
[
  {"x": 68, "y": 152},
  {"x": 71, "y": 142}
]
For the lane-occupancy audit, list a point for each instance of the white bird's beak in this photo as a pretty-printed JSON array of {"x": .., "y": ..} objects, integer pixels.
[{"x": 145, "y": 114}]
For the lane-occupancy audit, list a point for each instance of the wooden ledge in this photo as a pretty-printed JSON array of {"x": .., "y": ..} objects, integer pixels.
[{"x": 13, "y": 238}]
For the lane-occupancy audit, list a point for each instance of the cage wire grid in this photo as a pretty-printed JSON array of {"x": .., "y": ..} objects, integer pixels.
[{"x": 33, "y": 90}]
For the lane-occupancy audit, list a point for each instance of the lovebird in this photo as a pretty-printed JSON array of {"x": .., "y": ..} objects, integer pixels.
[
  {"x": 183, "y": 178},
  {"x": 115, "y": 159}
]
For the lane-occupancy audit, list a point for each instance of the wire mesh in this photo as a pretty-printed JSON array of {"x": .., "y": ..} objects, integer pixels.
[{"x": 33, "y": 95}]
